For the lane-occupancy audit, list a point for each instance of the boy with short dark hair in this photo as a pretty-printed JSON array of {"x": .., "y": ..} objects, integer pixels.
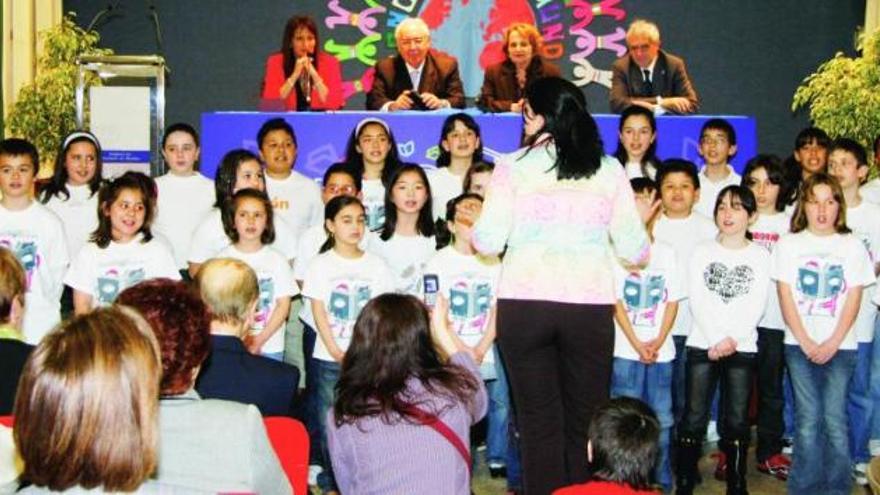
[
  {"x": 34, "y": 234},
  {"x": 621, "y": 448},
  {"x": 717, "y": 147}
]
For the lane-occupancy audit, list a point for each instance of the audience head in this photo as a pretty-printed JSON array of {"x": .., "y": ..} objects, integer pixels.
[
  {"x": 821, "y": 206},
  {"x": 13, "y": 286},
  {"x": 239, "y": 169},
  {"x": 557, "y": 107},
  {"x": 180, "y": 148},
  {"x": 679, "y": 187},
  {"x": 392, "y": 344},
  {"x": 459, "y": 138},
  {"x": 340, "y": 180},
  {"x": 765, "y": 176},
  {"x": 811, "y": 151},
  {"x": 522, "y": 42},
  {"x": 477, "y": 178},
  {"x": 126, "y": 208},
  {"x": 77, "y": 163},
  {"x": 413, "y": 40},
  {"x": 19, "y": 166},
  {"x": 230, "y": 291},
  {"x": 643, "y": 42},
  {"x": 87, "y": 405},
  {"x": 848, "y": 163},
  {"x": 717, "y": 142},
  {"x": 624, "y": 439},
  {"x": 249, "y": 213},
  {"x": 408, "y": 192},
  {"x": 181, "y": 323}
]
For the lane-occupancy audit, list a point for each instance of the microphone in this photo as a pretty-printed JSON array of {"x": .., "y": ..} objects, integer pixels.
[
  {"x": 106, "y": 11},
  {"x": 305, "y": 82}
]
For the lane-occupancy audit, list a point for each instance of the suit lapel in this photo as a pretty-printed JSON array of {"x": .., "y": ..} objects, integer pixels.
[
  {"x": 661, "y": 68},
  {"x": 636, "y": 78},
  {"x": 429, "y": 74},
  {"x": 402, "y": 82}
]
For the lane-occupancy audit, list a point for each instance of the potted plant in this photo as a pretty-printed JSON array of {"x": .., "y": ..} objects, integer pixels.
[{"x": 45, "y": 109}]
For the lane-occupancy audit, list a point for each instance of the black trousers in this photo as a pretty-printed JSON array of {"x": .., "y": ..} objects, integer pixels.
[
  {"x": 735, "y": 374},
  {"x": 771, "y": 401},
  {"x": 559, "y": 363}
]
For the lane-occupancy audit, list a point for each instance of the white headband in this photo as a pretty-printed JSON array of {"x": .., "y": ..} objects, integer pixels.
[
  {"x": 370, "y": 120},
  {"x": 80, "y": 134}
]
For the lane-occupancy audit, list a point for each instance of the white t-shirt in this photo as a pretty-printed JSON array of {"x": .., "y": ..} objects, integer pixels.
[
  {"x": 36, "y": 237},
  {"x": 444, "y": 186},
  {"x": 646, "y": 294},
  {"x": 728, "y": 291},
  {"x": 709, "y": 191},
  {"x": 406, "y": 256},
  {"x": 183, "y": 203},
  {"x": 864, "y": 220},
  {"x": 345, "y": 286},
  {"x": 683, "y": 234},
  {"x": 469, "y": 283},
  {"x": 871, "y": 191},
  {"x": 79, "y": 215},
  {"x": 634, "y": 170},
  {"x": 373, "y": 193},
  {"x": 297, "y": 200},
  {"x": 820, "y": 271},
  {"x": 275, "y": 279},
  {"x": 767, "y": 231},
  {"x": 104, "y": 273},
  {"x": 210, "y": 238}
]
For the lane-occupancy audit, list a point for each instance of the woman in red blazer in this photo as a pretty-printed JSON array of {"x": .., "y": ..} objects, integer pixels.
[{"x": 285, "y": 77}]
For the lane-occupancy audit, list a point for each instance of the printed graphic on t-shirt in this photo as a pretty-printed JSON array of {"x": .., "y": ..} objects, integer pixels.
[
  {"x": 267, "y": 296},
  {"x": 375, "y": 213},
  {"x": 820, "y": 282},
  {"x": 27, "y": 250},
  {"x": 766, "y": 239},
  {"x": 115, "y": 280},
  {"x": 865, "y": 237},
  {"x": 469, "y": 302},
  {"x": 411, "y": 278},
  {"x": 728, "y": 283},
  {"x": 347, "y": 299},
  {"x": 643, "y": 292}
]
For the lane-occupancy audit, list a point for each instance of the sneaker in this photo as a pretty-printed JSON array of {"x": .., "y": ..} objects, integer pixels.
[
  {"x": 787, "y": 446},
  {"x": 874, "y": 447},
  {"x": 860, "y": 473},
  {"x": 712, "y": 432},
  {"x": 776, "y": 465},
  {"x": 497, "y": 470},
  {"x": 721, "y": 466},
  {"x": 314, "y": 471}
]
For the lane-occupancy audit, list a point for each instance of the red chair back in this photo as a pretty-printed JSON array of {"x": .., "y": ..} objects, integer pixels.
[
  {"x": 291, "y": 443},
  {"x": 6, "y": 421}
]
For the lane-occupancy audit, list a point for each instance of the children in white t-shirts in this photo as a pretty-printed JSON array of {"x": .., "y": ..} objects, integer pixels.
[
  {"x": 122, "y": 250},
  {"x": 72, "y": 192},
  {"x": 338, "y": 284},
  {"x": 249, "y": 225},
  {"x": 34, "y": 235},
  {"x": 647, "y": 302},
  {"x": 821, "y": 270},
  {"x": 682, "y": 228},
  {"x": 372, "y": 155},
  {"x": 185, "y": 195},
  {"x": 847, "y": 162},
  {"x": 717, "y": 147},
  {"x": 728, "y": 281},
  {"x": 765, "y": 176},
  {"x": 295, "y": 198},
  {"x": 459, "y": 147},
  {"x": 239, "y": 169},
  {"x": 407, "y": 241}
]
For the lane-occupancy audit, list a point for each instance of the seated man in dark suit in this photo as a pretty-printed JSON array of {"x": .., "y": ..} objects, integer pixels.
[
  {"x": 229, "y": 289},
  {"x": 13, "y": 350},
  {"x": 649, "y": 77},
  {"x": 433, "y": 75}
]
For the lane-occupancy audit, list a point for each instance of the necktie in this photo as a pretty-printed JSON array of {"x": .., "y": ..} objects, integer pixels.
[
  {"x": 414, "y": 76},
  {"x": 648, "y": 86}
]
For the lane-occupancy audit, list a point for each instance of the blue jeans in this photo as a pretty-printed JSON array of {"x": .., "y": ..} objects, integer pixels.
[
  {"x": 499, "y": 415},
  {"x": 511, "y": 456},
  {"x": 875, "y": 383},
  {"x": 788, "y": 408},
  {"x": 859, "y": 406},
  {"x": 651, "y": 383},
  {"x": 679, "y": 393},
  {"x": 326, "y": 374},
  {"x": 821, "y": 461}
]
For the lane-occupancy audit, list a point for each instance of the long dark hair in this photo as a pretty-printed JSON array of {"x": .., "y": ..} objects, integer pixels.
[
  {"x": 392, "y": 345},
  {"x": 355, "y": 159},
  {"x": 57, "y": 185},
  {"x": 108, "y": 195},
  {"x": 228, "y": 215},
  {"x": 224, "y": 181},
  {"x": 650, "y": 157},
  {"x": 333, "y": 207},
  {"x": 466, "y": 120},
  {"x": 566, "y": 118},
  {"x": 425, "y": 222},
  {"x": 737, "y": 193},
  {"x": 294, "y": 23},
  {"x": 775, "y": 170}
]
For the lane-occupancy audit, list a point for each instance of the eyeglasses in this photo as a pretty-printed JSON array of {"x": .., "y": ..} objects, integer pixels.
[
  {"x": 416, "y": 41},
  {"x": 334, "y": 189}
]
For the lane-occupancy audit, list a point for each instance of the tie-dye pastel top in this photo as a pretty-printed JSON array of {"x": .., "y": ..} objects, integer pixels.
[{"x": 562, "y": 236}]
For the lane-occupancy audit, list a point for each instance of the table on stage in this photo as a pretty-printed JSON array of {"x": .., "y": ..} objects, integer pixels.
[{"x": 322, "y": 136}]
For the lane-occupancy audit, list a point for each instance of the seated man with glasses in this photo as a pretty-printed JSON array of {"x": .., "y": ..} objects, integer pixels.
[{"x": 417, "y": 78}]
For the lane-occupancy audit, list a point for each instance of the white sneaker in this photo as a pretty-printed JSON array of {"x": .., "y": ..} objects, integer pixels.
[
  {"x": 787, "y": 446},
  {"x": 860, "y": 473},
  {"x": 712, "y": 432},
  {"x": 874, "y": 447},
  {"x": 314, "y": 471}
]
